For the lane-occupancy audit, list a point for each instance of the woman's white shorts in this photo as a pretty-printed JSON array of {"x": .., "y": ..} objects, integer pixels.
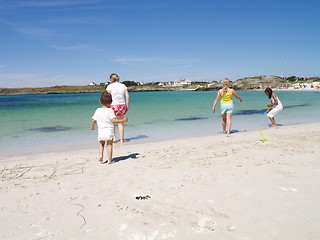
[{"x": 275, "y": 111}]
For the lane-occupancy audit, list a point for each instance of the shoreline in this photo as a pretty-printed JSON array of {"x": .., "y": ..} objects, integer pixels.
[
  {"x": 156, "y": 142},
  {"x": 220, "y": 187},
  {"x": 31, "y": 151}
]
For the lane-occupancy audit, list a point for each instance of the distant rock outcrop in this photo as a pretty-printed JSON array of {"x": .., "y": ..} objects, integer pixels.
[
  {"x": 149, "y": 89},
  {"x": 260, "y": 82}
]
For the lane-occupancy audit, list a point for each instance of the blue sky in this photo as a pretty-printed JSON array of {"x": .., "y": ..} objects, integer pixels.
[{"x": 75, "y": 42}]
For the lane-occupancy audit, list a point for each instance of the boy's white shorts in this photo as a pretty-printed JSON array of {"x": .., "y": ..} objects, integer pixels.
[{"x": 105, "y": 134}]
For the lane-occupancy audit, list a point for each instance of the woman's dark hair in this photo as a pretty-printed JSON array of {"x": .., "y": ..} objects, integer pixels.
[
  {"x": 268, "y": 91},
  {"x": 106, "y": 98}
]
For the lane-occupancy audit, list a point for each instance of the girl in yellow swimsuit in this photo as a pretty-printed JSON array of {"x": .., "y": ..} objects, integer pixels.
[{"x": 226, "y": 101}]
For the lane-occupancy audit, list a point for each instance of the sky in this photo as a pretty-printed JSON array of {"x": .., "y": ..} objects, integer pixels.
[{"x": 76, "y": 42}]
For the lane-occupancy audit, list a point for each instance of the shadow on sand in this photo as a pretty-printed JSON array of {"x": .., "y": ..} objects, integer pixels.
[
  {"x": 130, "y": 156},
  {"x": 234, "y": 131}
]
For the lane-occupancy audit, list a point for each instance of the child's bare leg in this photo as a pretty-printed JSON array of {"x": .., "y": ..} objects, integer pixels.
[
  {"x": 114, "y": 135},
  {"x": 224, "y": 119},
  {"x": 110, "y": 149},
  {"x": 229, "y": 122},
  {"x": 101, "y": 148},
  {"x": 273, "y": 122}
]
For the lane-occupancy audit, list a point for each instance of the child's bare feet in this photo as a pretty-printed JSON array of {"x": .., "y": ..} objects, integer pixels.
[
  {"x": 101, "y": 159},
  {"x": 273, "y": 126},
  {"x": 110, "y": 162}
]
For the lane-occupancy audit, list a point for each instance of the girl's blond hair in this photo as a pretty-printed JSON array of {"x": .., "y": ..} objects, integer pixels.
[
  {"x": 114, "y": 78},
  {"x": 225, "y": 84}
]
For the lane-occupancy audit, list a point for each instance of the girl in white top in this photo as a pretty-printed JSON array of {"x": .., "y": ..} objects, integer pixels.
[
  {"x": 275, "y": 106},
  {"x": 120, "y": 101}
]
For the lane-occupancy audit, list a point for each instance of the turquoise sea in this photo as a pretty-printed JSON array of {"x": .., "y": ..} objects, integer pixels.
[{"x": 43, "y": 123}]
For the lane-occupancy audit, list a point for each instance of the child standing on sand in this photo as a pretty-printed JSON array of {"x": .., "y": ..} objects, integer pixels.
[
  {"x": 275, "y": 106},
  {"x": 226, "y": 94},
  {"x": 105, "y": 119}
]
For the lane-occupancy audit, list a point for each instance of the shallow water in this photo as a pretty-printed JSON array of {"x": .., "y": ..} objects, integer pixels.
[{"x": 40, "y": 123}]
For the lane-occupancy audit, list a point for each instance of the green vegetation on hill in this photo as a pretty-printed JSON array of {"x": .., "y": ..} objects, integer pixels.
[{"x": 51, "y": 90}]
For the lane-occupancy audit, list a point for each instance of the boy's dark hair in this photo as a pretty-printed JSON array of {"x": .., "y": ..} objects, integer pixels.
[
  {"x": 106, "y": 98},
  {"x": 268, "y": 91}
]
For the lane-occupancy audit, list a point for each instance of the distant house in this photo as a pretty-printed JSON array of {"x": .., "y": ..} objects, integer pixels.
[
  {"x": 164, "y": 84},
  {"x": 170, "y": 83},
  {"x": 102, "y": 84},
  {"x": 176, "y": 83},
  {"x": 93, "y": 84},
  {"x": 182, "y": 82}
]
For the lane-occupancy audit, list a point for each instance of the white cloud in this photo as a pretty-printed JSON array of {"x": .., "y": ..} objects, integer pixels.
[
  {"x": 130, "y": 59},
  {"x": 39, "y": 32},
  {"x": 77, "y": 47},
  {"x": 61, "y": 3},
  {"x": 159, "y": 60},
  {"x": 79, "y": 20}
]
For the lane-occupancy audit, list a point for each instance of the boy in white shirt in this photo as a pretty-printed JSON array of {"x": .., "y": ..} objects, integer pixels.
[{"x": 105, "y": 119}]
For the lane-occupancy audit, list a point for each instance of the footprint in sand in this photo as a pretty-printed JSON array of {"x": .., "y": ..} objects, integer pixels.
[
  {"x": 44, "y": 234},
  {"x": 231, "y": 228},
  {"x": 123, "y": 227},
  {"x": 205, "y": 224},
  {"x": 145, "y": 236},
  {"x": 289, "y": 189},
  {"x": 171, "y": 235}
]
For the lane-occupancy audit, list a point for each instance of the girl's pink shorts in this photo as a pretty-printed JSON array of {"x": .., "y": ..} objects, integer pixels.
[{"x": 119, "y": 110}]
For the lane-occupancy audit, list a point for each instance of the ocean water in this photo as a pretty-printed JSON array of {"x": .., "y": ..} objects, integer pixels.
[{"x": 42, "y": 123}]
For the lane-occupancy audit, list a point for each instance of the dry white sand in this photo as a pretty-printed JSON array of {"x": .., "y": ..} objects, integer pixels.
[{"x": 201, "y": 188}]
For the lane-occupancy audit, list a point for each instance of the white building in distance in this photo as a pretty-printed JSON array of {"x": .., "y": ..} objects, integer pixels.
[{"x": 181, "y": 82}]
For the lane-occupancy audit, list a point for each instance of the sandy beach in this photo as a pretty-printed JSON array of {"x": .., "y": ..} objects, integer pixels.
[{"x": 215, "y": 187}]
